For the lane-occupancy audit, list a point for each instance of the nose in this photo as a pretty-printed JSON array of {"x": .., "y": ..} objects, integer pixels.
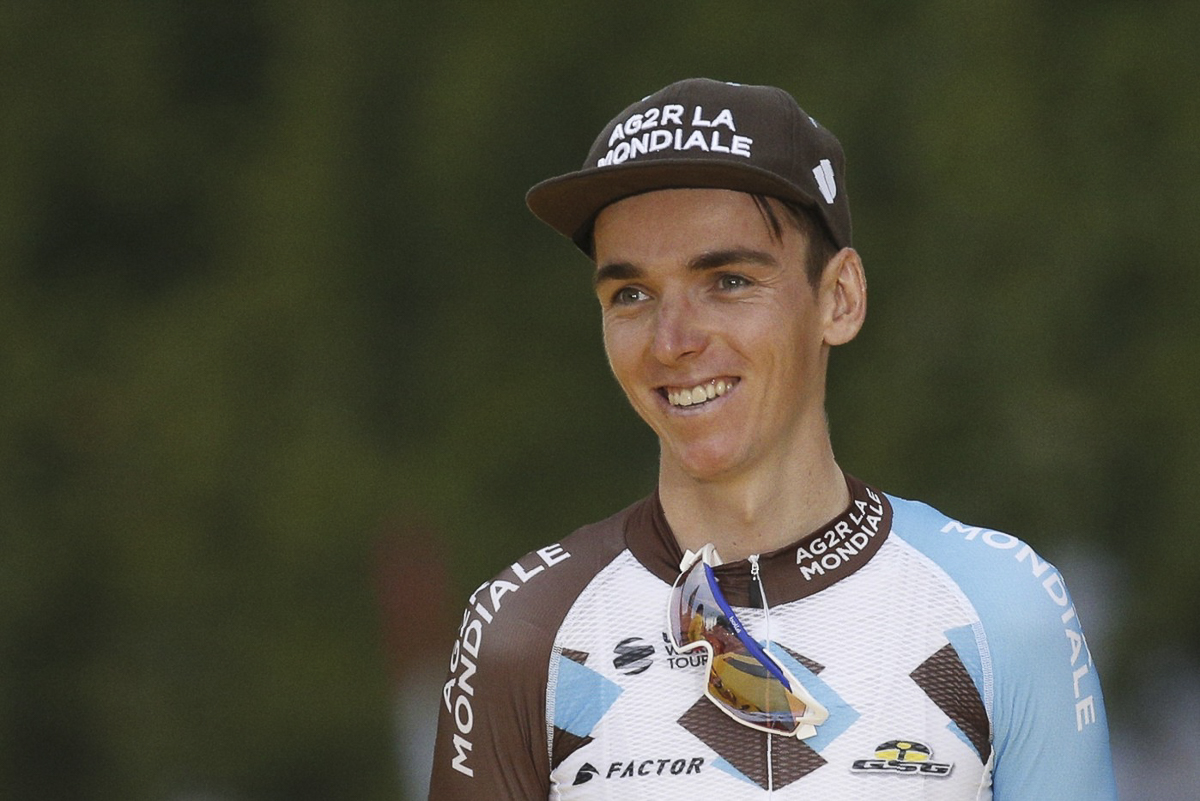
[{"x": 679, "y": 333}]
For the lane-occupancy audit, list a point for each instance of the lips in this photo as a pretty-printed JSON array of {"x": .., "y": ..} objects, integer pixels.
[{"x": 700, "y": 393}]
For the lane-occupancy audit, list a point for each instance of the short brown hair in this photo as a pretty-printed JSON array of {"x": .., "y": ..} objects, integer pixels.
[{"x": 820, "y": 243}]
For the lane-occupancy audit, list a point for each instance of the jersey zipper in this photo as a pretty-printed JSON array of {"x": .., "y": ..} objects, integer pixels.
[{"x": 758, "y": 597}]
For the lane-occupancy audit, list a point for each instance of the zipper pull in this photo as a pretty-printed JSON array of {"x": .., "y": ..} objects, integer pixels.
[{"x": 756, "y": 593}]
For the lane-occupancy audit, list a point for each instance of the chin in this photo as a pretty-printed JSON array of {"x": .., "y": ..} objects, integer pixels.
[{"x": 707, "y": 464}]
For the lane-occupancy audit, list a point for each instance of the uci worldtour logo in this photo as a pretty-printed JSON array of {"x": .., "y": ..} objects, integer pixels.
[
  {"x": 633, "y": 655},
  {"x": 903, "y": 757}
]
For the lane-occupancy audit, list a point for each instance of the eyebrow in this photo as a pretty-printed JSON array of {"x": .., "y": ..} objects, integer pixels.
[
  {"x": 617, "y": 271},
  {"x": 723, "y": 258},
  {"x": 712, "y": 260}
]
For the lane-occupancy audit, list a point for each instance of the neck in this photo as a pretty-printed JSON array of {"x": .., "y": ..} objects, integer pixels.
[{"x": 754, "y": 513}]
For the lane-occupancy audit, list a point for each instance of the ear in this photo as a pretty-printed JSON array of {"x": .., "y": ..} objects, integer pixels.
[{"x": 844, "y": 296}]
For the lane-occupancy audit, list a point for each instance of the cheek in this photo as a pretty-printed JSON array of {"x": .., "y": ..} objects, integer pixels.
[
  {"x": 616, "y": 349},
  {"x": 620, "y": 344}
]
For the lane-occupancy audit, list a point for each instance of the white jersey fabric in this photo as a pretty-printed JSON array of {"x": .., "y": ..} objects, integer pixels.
[{"x": 950, "y": 659}]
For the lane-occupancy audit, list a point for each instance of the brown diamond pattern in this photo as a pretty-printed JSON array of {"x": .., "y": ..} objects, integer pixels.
[
  {"x": 746, "y": 748},
  {"x": 946, "y": 681}
]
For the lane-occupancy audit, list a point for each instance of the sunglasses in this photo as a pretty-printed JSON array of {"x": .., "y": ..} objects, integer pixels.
[{"x": 744, "y": 681}]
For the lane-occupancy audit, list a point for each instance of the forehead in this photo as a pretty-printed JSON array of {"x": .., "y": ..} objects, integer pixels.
[{"x": 668, "y": 223}]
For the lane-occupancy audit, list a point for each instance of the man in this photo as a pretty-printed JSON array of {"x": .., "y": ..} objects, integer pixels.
[{"x": 763, "y": 625}]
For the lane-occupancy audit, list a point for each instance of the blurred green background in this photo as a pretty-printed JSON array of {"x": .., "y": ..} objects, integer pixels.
[{"x": 288, "y": 369}]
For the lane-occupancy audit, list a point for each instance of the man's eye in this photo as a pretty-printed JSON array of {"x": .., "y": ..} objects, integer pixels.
[
  {"x": 628, "y": 294},
  {"x": 732, "y": 281}
]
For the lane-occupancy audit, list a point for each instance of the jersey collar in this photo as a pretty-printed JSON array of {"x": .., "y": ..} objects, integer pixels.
[{"x": 816, "y": 561}]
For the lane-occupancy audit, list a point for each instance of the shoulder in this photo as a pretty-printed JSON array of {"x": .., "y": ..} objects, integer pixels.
[
  {"x": 1026, "y": 612},
  {"x": 1020, "y": 598},
  {"x": 535, "y": 592},
  {"x": 1002, "y": 575}
]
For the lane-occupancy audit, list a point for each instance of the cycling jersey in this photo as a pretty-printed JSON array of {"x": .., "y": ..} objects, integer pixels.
[{"x": 950, "y": 659}]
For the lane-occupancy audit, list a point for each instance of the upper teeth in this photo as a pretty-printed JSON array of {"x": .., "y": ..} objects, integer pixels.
[{"x": 699, "y": 393}]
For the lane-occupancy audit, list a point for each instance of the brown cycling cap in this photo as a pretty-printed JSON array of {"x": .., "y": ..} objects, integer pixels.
[{"x": 701, "y": 133}]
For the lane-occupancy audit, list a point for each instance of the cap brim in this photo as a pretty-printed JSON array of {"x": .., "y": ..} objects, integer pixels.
[{"x": 569, "y": 203}]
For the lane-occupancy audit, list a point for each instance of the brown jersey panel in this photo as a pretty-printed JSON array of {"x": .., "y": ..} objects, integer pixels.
[{"x": 492, "y": 730}]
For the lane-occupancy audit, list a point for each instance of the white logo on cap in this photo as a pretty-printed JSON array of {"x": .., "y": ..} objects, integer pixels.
[
  {"x": 667, "y": 128},
  {"x": 823, "y": 172}
]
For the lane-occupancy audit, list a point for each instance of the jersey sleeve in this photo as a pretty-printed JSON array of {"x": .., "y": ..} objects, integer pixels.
[
  {"x": 493, "y": 741},
  {"x": 1041, "y": 687},
  {"x": 1051, "y": 731}
]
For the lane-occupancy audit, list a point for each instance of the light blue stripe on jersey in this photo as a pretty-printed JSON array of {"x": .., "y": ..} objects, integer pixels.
[
  {"x": 1049, "y": 733},
  {"x": 583, "y": 697}
]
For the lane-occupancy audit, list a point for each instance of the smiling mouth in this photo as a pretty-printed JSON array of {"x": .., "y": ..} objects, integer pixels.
[{"x": 699, "y": 394}]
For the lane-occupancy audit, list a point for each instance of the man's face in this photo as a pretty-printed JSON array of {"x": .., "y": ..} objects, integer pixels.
[{"x": 713, "y": 330}]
